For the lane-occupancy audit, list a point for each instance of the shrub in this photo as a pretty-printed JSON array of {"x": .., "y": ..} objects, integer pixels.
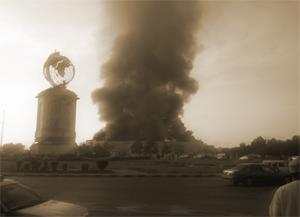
[
  {"x": 84, "y": 167},
  {"x": 26, "y": 167},
  {"x": 35, "y": 165},
  {"x": 65, "y": 167},
  {"x": 102, "y": 164},
  {"x": 19, "y": 165},
  {"x": 54, "y": 165},
  {"x": 45, "y": 166}
]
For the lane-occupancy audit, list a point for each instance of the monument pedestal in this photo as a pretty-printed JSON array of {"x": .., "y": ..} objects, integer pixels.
[{"x": 55, "y": 129}]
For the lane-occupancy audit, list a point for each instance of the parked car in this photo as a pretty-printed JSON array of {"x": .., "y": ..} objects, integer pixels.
[
  {"x": 254, "y": 173},
  {"x": 17, "y": 199},
  {"x": 281, "y": 165},
  {"x": 295, "y": 157},
  {"x": 250, "y": 157}
]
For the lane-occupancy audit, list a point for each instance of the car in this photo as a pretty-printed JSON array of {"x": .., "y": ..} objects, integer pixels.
[
  {"x": 295, "y": 157},
  {"x": 254, "y": 173},
  {"x": 280, "y": 165},
  {"x": 17, "y": 199}
]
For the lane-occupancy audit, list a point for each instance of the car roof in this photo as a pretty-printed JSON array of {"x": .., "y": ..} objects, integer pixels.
[
  {"x": 250, "y": 164},
  {"x": 7, "y": 182},
  {"x": 274, "y": 161}
]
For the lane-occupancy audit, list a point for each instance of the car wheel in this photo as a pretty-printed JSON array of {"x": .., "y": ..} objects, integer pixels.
[{"x": 249, "y": 181}]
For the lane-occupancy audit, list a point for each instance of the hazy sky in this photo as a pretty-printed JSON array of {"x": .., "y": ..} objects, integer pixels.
[{"x": 247, "y": 68}]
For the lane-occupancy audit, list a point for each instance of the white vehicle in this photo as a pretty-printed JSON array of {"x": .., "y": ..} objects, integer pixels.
[
  {"x": 281, "y": 165},
  {"x": 294, "y": 158},
  {"x": 19, "y": 200}
]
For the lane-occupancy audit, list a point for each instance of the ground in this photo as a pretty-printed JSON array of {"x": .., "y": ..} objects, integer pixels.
[{"x": 201, "y": 196}]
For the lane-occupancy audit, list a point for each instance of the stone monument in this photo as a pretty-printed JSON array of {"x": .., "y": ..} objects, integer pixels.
[{"x": 55, "y": 127}]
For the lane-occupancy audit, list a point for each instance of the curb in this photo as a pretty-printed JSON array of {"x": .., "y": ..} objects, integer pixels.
[{"x": 111, "y": 175}]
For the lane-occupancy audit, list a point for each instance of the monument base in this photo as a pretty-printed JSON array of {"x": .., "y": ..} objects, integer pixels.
[
  {"x": 52, "y": 149},
  {"x": 55, "y": 130}
]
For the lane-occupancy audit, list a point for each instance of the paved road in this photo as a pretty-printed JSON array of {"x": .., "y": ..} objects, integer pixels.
[{"x": 209, "y": 196}]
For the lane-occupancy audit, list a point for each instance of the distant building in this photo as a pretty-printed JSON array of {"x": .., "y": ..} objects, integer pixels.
[
  {"x": 167, "y": 149},
  {"x": 221, "y": 156}
]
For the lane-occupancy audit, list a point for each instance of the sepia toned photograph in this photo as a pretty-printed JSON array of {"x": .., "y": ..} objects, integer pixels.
[{"x": 149, "y": 108}]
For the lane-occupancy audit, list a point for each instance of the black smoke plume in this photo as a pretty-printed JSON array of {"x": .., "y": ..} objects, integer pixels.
[{"x": 147, "y": 78}]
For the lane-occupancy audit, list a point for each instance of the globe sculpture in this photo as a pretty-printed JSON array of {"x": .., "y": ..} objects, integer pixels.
[
  {"x": 58, "y": 70},
  {"x": 55, "y": 127}
]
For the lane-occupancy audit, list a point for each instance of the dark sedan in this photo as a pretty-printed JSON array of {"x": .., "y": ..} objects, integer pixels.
[{"x": 254, "y": 173}]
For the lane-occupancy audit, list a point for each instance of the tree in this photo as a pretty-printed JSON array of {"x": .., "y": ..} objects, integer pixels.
[
  {"x": 258, "y": 145},
  {"x": 12, "y": 150},
  {"x": 242, "y": 145},
  {"x": 296, "y": 139},
  {"x": 150, "y": 148},
  {"x": 178, "y": 149},
  {"x": 137, "y": 148},
  {"x": 273, "y": 147},
  {"x": 100, "y": 150},
  {"x": 84, "y": 150},
  {"x": 166, "y": 149},
  {"x": 242, "y": 149},
  {"x": 102, "y": 164},
  {"x": 292, "y": 146}
]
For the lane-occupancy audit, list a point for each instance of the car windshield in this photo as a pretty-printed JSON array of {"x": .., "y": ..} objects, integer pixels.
[
  {"x": 282, "y": 164},
  {"x": 239, "y": 167},
  {"x": 269, "y": 169},
  {"x": 16, "y": 196}
]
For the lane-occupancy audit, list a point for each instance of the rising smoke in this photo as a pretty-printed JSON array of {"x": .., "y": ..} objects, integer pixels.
[{"x": 147, "y": 78}]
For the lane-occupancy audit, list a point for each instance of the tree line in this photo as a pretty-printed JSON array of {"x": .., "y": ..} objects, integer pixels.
[
  {"x": 260, "y": 145},
  {"x": 267, "y": 147}
]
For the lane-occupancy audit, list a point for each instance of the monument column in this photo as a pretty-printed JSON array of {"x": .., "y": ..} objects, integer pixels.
[{"x": 55, "y": 127}]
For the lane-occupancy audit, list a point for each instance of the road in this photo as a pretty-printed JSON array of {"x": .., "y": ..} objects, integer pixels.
[{"x": 201, "y": 196}]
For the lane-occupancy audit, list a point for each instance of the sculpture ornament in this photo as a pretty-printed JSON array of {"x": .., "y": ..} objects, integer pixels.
[{"x": 58, "y": 69}]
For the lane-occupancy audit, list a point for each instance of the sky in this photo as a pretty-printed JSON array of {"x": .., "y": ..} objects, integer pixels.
[{"x": 247, "y": 67}]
